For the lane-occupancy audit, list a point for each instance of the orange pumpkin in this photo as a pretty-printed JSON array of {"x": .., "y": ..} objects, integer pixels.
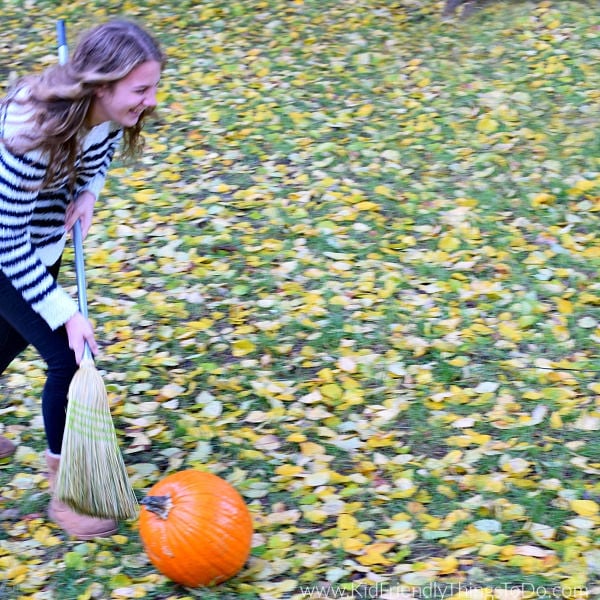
[{"x": 196, "y": 528}]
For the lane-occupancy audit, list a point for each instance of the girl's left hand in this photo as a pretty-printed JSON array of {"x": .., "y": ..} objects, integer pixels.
[{"x": 81, "y": 208}]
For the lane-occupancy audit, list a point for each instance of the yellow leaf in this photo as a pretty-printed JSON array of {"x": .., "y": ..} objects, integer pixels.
[
  {"x": 145, "y": 195},
  {"x": 366, "y": 205},
  {"x": 507, "y": 552},
  {"x": 161, "y": 96},
  {"x": 565, "y": 307},
  {"x": 384, "y": 190},
  {"x": 365, "y": 110},
  {"x": 316, "y": 516},
  {"x": 339, "y": 300},
  {"x": 459, "y": 361},
  {"x": 374, "y": 554},
  {"x": 585, "y": 508},
  {"x": 347, "y": 522},
  {"x": 242, "y": 347},
  {"x": 298, "y": 117},
  {"x": 448, "y": 243},
  {"x": 353, "y": 544},
  {"x": 288, "y": 470},
  {"x": 332, "y": 391},
  {"x": 509, "y": 331},
  {"x": 201, "y": 325},
  {"x": 424, "y": 376},
  {"x": 120, "y": 539},
  {"x": 326, "y": 375},
  {"x": 16, "y": 574},
  {"x": 44, "y": 536},
  {"x": 213, "y": 116},
  {"x": 487, "y": 125},
  {"x": 582, "y": 186},
  {"x": 311, "y": 449},
  {"x": 489, "y": 550},
  {"x": 445, "y": 566},
  {"x": 593, "y": 252},
  {"x": 542, "y": 199},
  {"x": 555, "y": 420}
]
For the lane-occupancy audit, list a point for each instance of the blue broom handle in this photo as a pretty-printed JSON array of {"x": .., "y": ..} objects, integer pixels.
[
  {"x": 80, "y": 276},
  {"x": 63, "y": 55},
  {"x": 61, "y": 35},
  {"x": 80, "y": 268}
]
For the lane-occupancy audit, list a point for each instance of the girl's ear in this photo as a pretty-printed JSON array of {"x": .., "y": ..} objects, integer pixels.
[{"x": 101, "y": 90}]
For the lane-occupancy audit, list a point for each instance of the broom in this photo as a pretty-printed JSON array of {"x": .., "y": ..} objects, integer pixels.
[{"x": 92, "y": 478}]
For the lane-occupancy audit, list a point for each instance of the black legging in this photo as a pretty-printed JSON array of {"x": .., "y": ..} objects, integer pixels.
[{"x": 20, "y": 326}]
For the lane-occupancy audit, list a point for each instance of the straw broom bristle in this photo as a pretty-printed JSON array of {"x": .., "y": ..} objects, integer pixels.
[{"x": 92, "y": 478}]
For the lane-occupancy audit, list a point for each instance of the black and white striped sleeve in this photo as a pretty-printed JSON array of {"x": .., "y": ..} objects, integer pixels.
[
  {"x": 20, "y": 179},
  {"x": 96, "y": 159}
]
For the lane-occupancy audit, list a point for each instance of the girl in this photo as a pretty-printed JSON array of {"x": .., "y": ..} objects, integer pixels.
[{"x": 58, "y": 133}]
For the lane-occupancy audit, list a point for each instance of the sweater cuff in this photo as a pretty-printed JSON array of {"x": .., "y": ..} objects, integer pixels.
[
  {"x": 94, "y": 185},
  {"x": 57, "y": 308}
]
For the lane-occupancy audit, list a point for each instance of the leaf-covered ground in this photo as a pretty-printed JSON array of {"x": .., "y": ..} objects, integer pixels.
[{"x": 356, "y": 275}]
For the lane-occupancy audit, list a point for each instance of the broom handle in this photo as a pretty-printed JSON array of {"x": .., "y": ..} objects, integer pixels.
[
  {"x": 63, "y": 55},
  {"x": 80, "y": 269},
  {"x": 80, "y": 276},
  {"x": 61, "y": 35}
]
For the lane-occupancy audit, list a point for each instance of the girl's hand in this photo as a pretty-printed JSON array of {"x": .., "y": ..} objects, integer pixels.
[
  {"x": 81, "y": 208},
  {"x": 79, "y": 331}
]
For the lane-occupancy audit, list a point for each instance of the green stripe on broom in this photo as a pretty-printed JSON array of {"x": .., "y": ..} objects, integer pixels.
[
  {"x": 92, "y": 478},
  {"x": 89, "y": 422}
]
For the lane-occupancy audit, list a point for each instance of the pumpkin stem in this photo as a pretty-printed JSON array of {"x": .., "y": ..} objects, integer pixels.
[{"x": 159, "y": 505}]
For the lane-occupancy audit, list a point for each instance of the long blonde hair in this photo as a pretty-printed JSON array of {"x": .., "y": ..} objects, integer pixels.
[{"x": 60, "y": 97}]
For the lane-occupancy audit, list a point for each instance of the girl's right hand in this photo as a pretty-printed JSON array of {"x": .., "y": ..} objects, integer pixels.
[
  {"x": 80, "y": 331},
  {"x": 82, "y": 210}
]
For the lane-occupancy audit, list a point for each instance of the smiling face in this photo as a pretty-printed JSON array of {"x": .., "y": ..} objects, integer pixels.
[{"x": 125, "y": 101}]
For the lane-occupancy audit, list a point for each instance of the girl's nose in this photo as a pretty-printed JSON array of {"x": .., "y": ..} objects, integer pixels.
[{"x": 150, "y": 99}]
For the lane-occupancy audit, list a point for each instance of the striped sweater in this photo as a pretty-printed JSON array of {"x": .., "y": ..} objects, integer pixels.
[{"x": 32, "y": 220}]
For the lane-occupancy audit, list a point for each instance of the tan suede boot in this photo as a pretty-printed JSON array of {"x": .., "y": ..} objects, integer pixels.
[
  {"x": 7, "y": 448},
  {"x": 82, "y": 527}
]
